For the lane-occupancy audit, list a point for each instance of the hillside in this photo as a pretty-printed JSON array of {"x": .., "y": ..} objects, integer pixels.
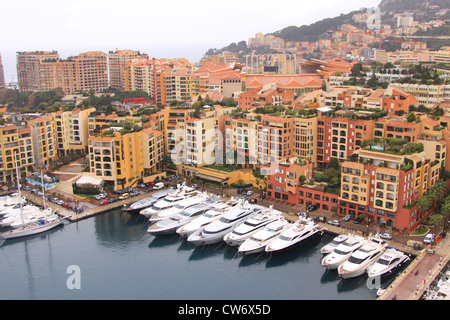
[{"x": 421, "y": 10}]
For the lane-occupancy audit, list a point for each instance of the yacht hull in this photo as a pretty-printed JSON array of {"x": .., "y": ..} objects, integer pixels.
[{"x": 31, "y": 230}]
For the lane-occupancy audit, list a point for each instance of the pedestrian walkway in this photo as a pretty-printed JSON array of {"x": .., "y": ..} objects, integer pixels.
[{"x": 416, "y": 278}]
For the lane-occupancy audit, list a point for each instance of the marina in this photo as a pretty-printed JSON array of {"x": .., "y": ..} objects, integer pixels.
[{"x": 232, "y": 250}]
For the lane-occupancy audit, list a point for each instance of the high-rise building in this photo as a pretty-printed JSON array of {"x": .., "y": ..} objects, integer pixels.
[
  {"x": 29, "y": 71},
  {"x": 118, "y": 62},
  {"x": 2, "y": 74}
]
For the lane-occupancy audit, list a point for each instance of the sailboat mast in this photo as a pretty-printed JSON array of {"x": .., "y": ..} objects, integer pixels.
[
  {"x": 43, "y": 189},
  {"x": 18, "y": 187}
]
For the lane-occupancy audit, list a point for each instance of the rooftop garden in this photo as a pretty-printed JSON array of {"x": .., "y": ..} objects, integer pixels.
[{"x": 392, "y": 146}]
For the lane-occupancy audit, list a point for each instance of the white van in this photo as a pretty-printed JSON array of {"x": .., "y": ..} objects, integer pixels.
[{"x": 158, "y": 186}]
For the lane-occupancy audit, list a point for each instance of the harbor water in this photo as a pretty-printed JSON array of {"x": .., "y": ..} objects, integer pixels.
[{"x": 114, "y": 257}]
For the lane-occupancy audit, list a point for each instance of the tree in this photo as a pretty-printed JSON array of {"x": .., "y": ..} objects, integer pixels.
[{"x": 334, "y": 163}]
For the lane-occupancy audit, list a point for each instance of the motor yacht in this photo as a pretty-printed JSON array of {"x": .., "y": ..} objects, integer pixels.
[
  {"x": 342, "y": 252},
  {"x": 171, "y": 224},
  {"x": 180, "y": 206},
  {"x": 333, "y": 244},
  {"x": 214, "y": 232},
  {"x": 40, "y": 214},
  {"x": 362, "y": 258},
  {"x": 216, "y": 211},
  {"x": 258, "y": 241},
  {"x": 387, "y": 263},
  {"x": 15, "y": 215},
  {"x": 136, "y": 207},
  {"x": 251, "y": 225},
  {"x": 169, "y": 201},
  {"x": 301, "y": 230}
]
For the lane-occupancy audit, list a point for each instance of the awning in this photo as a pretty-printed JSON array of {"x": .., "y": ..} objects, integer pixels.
[{"x": 211, "y": 178}]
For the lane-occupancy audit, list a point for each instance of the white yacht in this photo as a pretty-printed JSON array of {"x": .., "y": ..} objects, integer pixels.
[
  {"x": 362, "y": 258},
  {"x": 9, "y": 202},
  {"x": 258, "y": 241},
  {"x": 45, "y": 215},
  {"x": 301, "y": 230},
  {"x": 171, "y": 224},
  {"x": 15, "y": 215},
  {"x": 214, "y": 232},
  {"x": 251, "y": 225},
  {"x": 387, "y": 263},
  {"x": 169, "y": 201},
  {"x": 333, "y": 244},
  {"x": 342, "y": 252},
  {"x": 136, "y": 207},
  {"x": 216, "y": 212},
  {"x": 180, "y": 206}
]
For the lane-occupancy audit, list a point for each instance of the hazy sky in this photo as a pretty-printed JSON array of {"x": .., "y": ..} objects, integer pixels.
[{"x": 173, "y": 28}]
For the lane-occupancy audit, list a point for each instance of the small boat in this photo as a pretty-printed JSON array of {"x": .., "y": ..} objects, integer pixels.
[
  {"x": 357, "y": 264},
  {"x": 387, "y": 263},
  {"x": 333, "y": 244},
  {"x": 342, "y": 252},
  {"x": 214, "y": 232},
  {"x": 302, "y": 229},
  {"x": 216, "y": 212},
  {"x": 258, "y": 241},
  {"x": 251, "y": 225}
]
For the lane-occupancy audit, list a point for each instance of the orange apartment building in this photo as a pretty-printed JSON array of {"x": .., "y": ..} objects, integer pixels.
[
  {"x": 259, "y": 97},
  {"x": 118, "y": 62},
  {"x": 275, "y": 139},
  {"x": 396, "y": 100},
  {"x": 339, "y": 137}
]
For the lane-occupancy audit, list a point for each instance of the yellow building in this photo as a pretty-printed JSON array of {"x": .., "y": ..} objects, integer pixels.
[
  {"x": 11, "y": 144},
  {"x": 43, "y": 138},
  {"x": 121, "y": 159},
  {"x": 305, "y": 138}
]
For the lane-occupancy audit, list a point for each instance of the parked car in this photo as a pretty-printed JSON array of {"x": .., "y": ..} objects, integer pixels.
[
  {"x": 386, "y": 236},
  {"x": 348, "y": 217},
  {"x": 103, "y": 202},
  {"x": 158, "y": 186},
  {"x": 134, "y": 193},
  {"x": 195, "y": 186},
  {"x": 124, "y": 196},
  {"x": 249, "y": 192},
  {"x": 143, "y": 185},
  {"x": 429, "y": 238},
  {"x": 100, "y": 196},
  {"x": 334, "y": 223},
  {"x": 358, "y": 220},
  {"x": 239, "y": 190},
  {"x": 65, "y": 205},
  {"x": 253, "y": 200},
  {"x": 60, "y": 202},
  {"x": 312, "y": 208},
  {"x": 113, "y": 200},
  {"x": 320, "y": 219}
]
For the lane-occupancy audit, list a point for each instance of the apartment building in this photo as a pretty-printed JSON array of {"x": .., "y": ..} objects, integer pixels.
[
  {"x": 299, "y": 84},
  {"x": 91, "y": 71},
  {"x": 386, "y": 186},
  {"x": 396, "y": 100},
  {"x": 260, "y": 97},
  {"x": 181, "y": 85},
  {"x": 241, "y": 138},
  {"x": 122, "y": 159},
  {"x": 305, "y": 138},
  {"x": 429, "y": 95},
  {"x": 29, "y": 71},
  {"x": 44, "y": 70},
  {"x": 43, "y": 138},
  {"x": 275, "y": 139},
  {"x": 339, "y": 137},
  {"x": 398, "y": 128},
  {"x": 2, "y": 74},
  {"x": 71, "y": 129},
  {"x": 15, "y": 140},
  {"x": 118, "y": 62},
  {"x": 271, "y": 64},
  {"x": 285, "y": 181}
]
